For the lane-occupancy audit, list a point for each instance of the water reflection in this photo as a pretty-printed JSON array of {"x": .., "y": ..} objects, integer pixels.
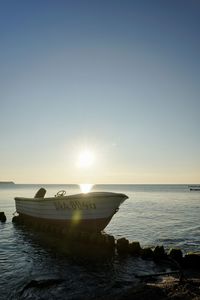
[
  {"x": 86, "y": 187},
  {"x": 53, "y": 268}
]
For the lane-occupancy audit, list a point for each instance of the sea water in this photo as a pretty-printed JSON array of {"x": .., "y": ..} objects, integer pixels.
[{"x": 153, "y": 215}]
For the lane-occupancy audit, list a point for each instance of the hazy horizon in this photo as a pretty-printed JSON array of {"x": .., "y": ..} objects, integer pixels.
[
  {"x": 98, "y": 91},
  {"x": 62, "y": 183}
]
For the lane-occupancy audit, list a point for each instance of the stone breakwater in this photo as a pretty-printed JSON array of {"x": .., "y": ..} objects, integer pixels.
[
  {"x": 2, "y": 217},
  {"x": 102, "y": 242}
]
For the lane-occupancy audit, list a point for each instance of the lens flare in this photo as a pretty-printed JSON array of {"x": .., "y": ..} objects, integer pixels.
[{"x": 76, "y": 217}]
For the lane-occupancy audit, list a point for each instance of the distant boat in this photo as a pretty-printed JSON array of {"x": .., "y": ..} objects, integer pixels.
[
  {"x": 194, "y": 187},
  {"x": 85, "y": 212},
  {"x": 7, "y": 183}
]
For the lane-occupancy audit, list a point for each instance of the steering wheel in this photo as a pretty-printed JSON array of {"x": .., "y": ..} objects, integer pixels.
[{"x": 61, "y": 193}]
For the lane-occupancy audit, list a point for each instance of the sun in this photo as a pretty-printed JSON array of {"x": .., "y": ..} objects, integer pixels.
[{"x": 85, "y": 159}]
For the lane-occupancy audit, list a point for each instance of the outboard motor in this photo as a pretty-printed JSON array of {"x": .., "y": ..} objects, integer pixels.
[{"x": 40, "y": 193}]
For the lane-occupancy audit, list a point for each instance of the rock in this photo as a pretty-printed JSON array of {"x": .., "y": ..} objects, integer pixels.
[
  {"x": 100, "y": 239},
  {"x": 41, "y": 283},
  {"x": 110, "y": 241},
  {"x": 176, "y": 254},
  {"x": 2, "y": 216},
  {"x": 15, "y": 219},
  {"x": 147, "y": 253},
  {"x": 122, "y": 246},
  {"x": 192, "y": 260},
  {"x": 135, "y": 248},
  {"x": 159, "y": 252},
  {"x": 84, "y": 237},
  {"x": 93, "y": 238}
]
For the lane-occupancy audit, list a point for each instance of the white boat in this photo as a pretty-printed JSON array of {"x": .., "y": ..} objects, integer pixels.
[{"x": 85, "y": 212}]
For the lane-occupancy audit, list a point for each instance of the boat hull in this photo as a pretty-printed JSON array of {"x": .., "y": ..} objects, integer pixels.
[
  {"x": 84, "y": 212},
  {"x": 89, "y": 225}
]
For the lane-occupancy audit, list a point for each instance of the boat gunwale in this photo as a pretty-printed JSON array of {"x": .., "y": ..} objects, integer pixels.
[{"x": 80, "y": 196}]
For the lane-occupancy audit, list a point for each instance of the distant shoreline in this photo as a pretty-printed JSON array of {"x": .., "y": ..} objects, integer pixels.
[{"x": 103, "y": 184}]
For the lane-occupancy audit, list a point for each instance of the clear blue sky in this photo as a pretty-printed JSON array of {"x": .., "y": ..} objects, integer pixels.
[{"x": 120, "y": 78}]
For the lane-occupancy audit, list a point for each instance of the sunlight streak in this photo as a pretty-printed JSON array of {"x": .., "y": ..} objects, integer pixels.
[{"x": 86, "y": 187}]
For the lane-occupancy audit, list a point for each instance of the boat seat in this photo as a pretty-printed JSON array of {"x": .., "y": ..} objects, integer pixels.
[{"x": 40, "y": 193}]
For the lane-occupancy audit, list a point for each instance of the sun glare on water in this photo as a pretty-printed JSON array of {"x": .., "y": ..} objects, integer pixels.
[{"x": 86, "y": 188}]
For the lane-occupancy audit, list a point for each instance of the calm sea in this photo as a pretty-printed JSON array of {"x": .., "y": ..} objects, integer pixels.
[{"x": 153, "y": 215}]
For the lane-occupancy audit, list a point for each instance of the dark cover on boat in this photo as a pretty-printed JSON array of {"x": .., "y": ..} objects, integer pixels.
[{"x": 40, "y": 193}]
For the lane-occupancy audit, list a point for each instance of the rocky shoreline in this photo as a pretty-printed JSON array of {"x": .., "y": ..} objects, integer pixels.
[{"x": 165, "y": 288}]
